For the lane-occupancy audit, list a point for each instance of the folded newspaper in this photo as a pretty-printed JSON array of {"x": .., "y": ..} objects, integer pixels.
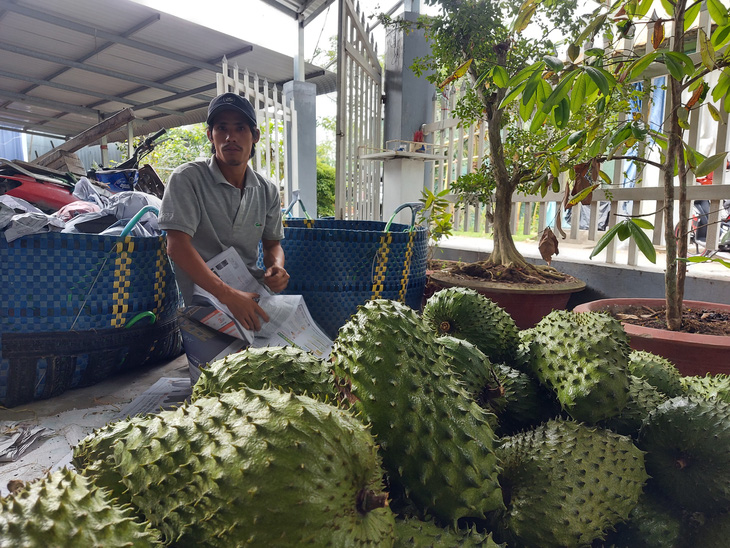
[{"x": 290, "y": 323}]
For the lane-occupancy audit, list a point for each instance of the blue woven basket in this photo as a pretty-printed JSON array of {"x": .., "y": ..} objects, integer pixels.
[
  {"x": 68, "y": 303},
  {"x": 339, "y": 265}
]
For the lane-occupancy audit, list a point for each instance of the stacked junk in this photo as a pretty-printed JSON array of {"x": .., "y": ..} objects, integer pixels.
[{"x": 86, "y": 287}]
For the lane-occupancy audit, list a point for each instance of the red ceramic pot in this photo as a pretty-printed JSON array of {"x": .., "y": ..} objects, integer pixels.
[{"x": 692, "y": 353}]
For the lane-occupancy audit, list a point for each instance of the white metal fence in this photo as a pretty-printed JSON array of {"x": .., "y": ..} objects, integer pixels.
[
  {"x": 359, "y": 111},
  {"x": 273, "y": 114}
]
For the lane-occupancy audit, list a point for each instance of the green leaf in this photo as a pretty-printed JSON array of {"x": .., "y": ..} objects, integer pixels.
[
  {"x": 531, "y": 86},
  {"x": 591, "y": 28},
  {"x": 700, "y": 259},
  {"x": 573, "y": 52},
  {"x": 527, "y": 110},
  {"x": 643, "y": 8},
  {"x": 500, "y": 76},
  {"x": 643, "y": 223},
  {"x": 537, "y": 121},
  {"x": 720, "y": 37},
  {"x": 641, "y": 64},
  {"x": 668, "y": 7},
  {"x": 582, "y": 194},
  {"x": 525, "y": 73},
  {"x": 683, "y": 117},
  {"x": 610, "y": 234},
  {"x": 524, "y": 15},
  {"x": 678, "y": 64},
  {"x": 512, "y": 95},
  {"x": 624, "y": 231},
  {"x": 714, "y": 113},
  {"x": 642, "y": 241},
  {"x": 601, "y": 78},
  {"x": 601, "y": 105},
  {"x": 562, "y": 144},
  {"x": 710, "y": 164},
  {"x": 690, "y": 15},
  {"x": 621, "y": 134},
  {"x": 604, "y": 176},
  {"x": 707, "y": 52},
  {"x": 561, "y": 113},
  {"x": 722, "y": 86},
  {"x": 560, "y": 92},
  {"x": 578, "y": 95},
  {"x": 556, "y": 185},
  {"x": 718, "y": 12},
  {"x": 555, "y": 64},
  {"x": 573, "y": 138}
]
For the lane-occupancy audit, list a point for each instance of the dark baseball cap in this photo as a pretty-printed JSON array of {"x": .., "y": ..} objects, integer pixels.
[{"x": 231, "y": 101}]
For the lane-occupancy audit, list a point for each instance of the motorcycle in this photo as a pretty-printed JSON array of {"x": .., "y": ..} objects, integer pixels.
[
  {"x": 128, "y": 175},
  {"x": 699, "y": 221}
]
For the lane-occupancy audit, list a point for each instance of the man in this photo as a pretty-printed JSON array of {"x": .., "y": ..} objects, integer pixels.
[{"x": 211, "y": 205}]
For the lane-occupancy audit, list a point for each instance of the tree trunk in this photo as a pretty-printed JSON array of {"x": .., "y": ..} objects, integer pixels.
[{"x": 675, "y": 274}]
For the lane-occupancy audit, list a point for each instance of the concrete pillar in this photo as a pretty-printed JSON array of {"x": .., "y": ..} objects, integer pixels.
[
  {"x": 408, "y": 105},
  {"x": 304, "y": 169}
]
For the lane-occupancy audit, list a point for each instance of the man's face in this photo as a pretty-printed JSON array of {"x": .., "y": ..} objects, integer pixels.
[{"x": 232, "y": 138}]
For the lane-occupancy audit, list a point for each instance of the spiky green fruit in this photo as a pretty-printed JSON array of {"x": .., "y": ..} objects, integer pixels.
[
  {"x": 414, "y": 533},
  {"x": 687, "y": 441},
  {"x": 653, "y": 523},
  {"x": 583, "y": 358},
  {"x": 566, "y": 484},
  {"x": 713, "y": 533},
  {"x": 643, "y": 399},
  {"x": 66, "y": 510},
  {"x": 437, "y": 444},
  {"x": 465, "y": 314},
  {"x": 287, "y": 368},
  {"x": 657, "y": 371},
  {"x": 525, "y": 402},
  {"x": 708, "y": 387},
  {"x": 470, "y": 364},
  {"x": 250, "y": 467}
]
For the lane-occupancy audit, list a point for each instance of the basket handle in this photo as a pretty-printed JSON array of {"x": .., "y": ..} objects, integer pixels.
[
  {"x": 134, "y": 220},
  {"x": 415, "y": 207},
  {"x": 295, "y": 200}
]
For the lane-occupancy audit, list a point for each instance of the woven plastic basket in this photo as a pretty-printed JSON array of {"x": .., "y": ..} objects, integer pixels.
[
  {"x": 339, "y": 265},
  {"x": 67, "y": 305}
]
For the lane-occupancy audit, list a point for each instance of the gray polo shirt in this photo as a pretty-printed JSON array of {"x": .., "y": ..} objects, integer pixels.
[{"x": 216, "y": 215}]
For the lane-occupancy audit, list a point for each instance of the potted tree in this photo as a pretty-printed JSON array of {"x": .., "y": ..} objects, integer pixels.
[
  {"x": 596, "y": 76},
  {"x": 483, "y": 41}
]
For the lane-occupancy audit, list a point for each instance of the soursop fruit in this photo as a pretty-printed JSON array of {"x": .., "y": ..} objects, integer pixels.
[
  {"x": 643, "y": 399},
  {"x": 465, "y": 314},
  {"x": 687, "y": 441},
  {"x": 653, "y": 523},
  {"x": 249, "y": 467},
  {"x": 583, "y": 358},
  {"x": 566, "y": 484},
  {"x": 472, "y": 366},
  {"x": 708, "y": 387},
  {"x": 436, "y": 442},
  {"x": 525, "y": 402},
  {"x": 287, "y": 368},
  {"x": 657, "y": 371},
  {"x": 414, "y": 533},
  {"x": 66, "y": 510}
]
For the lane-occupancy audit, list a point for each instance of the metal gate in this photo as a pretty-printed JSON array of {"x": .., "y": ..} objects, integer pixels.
[
  {"x": 359, "y": 118},
  {"x": 272, "y": 114}
]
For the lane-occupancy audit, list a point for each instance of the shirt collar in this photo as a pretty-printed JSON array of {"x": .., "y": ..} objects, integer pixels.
[{"x": 250, "y": 181}]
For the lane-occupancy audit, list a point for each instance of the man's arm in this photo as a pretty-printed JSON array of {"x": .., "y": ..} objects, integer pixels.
[
  {"x": 241, "y": 304},
  {"x": 276, "y": 277}
]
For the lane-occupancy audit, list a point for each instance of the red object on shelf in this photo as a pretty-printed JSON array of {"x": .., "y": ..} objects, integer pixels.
[{"x": 46, "y": 196}]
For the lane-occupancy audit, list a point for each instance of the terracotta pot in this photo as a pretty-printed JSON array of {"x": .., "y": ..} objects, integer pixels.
[
  {"x": 692, "y": 353},
  {"x": 526, "y": 303}
]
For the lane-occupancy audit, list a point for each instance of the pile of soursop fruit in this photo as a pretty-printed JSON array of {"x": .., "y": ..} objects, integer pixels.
[{"x": 445, "y": 428}]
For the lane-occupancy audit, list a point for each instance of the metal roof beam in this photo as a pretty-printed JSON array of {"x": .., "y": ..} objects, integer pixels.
[
  {"x": 32, "y": 132},
  {"x": 276, "y": 4},
  {"x": 48, "y": 103},
  {"x": 39, "y": 82},
  {"x": 109, "y": 36}
]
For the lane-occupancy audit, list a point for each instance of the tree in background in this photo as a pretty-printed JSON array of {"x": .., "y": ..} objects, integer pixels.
[{"x": 325, "y": 190}]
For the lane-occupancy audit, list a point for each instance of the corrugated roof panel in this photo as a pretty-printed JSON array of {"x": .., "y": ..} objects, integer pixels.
[{"x": 77, "y": 60}]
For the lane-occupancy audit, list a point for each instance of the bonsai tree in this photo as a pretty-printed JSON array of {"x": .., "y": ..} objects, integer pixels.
[
  {"x": 600, "y": 75},
  {"x": 483, "y": 41}
]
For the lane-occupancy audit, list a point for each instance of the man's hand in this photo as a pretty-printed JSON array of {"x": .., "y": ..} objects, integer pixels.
[
  {"x": 245, "y": 307},
  {"x": 276, "y": 278}
]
